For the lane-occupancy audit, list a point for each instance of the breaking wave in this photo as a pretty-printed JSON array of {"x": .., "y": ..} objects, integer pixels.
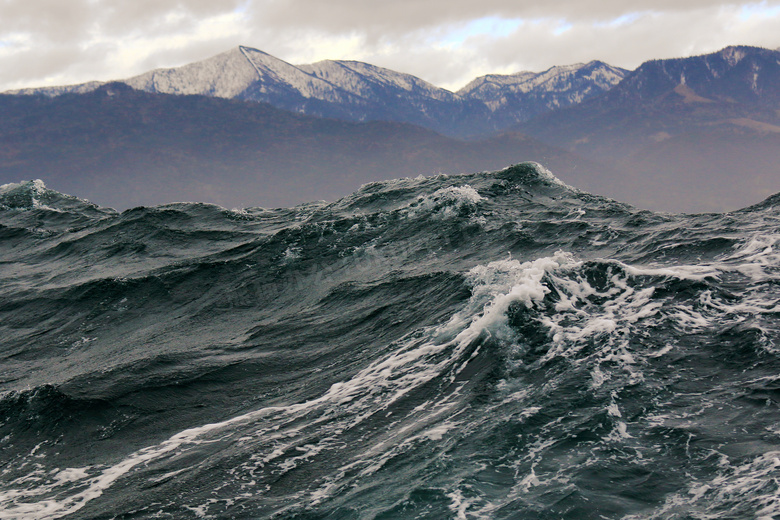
[{"x": 486, "y": 346}]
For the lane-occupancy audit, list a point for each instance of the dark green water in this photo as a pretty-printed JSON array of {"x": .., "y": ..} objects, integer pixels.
[{"x": 486, "y": 346}]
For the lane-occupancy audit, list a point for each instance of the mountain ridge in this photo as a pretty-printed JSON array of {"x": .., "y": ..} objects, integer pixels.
[
  {"x": 571, "y": 84},
  {"x": 673, "y": 135},
  {"x": 123, "y": 147},
  {"x": 695, "y": 123},
  {"x": 722, "y": 75},
  {"x": 358, "y": 91}
]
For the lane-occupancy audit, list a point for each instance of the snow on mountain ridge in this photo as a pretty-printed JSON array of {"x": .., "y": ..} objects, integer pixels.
[
  {"x": 358, "y": 78},
  {"x": 272, "y": 70},
  {"x": 558, "y": 86},
  {"x": 232, "y": 73},
  {"x": 225, "y": 75},
  {"x": 80, "y": 88},
  {"x": 554, "y": 79},
  {"x": 357, "y": 91}
]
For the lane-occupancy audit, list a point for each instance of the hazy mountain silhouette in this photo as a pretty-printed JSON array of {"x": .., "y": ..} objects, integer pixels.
[
  {"x": 121, "y": 147},
  {"x": 690, "y": 134},
  {"x": 699, "y": 133}
]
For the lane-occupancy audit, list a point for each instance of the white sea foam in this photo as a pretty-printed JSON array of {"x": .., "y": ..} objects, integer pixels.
[
  {"x": 36, "y": 185},
  {"x": 446, "y": 202},
  {"x": 291, "y": 254},
  {"x": 757, "y": 257},
  {"x": 548, "y": 175},
  {"x": 576, "y": 321},
  {"x": 748, "y": 489},
  {"x": 33, "y": 189},
  {"x": 460, "y": 505}
]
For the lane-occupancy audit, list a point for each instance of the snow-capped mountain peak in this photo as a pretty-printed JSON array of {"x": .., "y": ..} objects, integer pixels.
[
  {"x": 273, "y": 73},
  {"x": 520, "y": 96},
  {"x": 354, "y": 90},
  {"x": 555, "y": 79},
  {"x": 225, "y": 75},
  {"x": 363, "y": 79}
]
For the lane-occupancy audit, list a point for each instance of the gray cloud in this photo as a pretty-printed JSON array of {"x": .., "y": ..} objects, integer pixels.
[
  {"x": 406, "y": 15},
  {"x": 158, "y": 16},
  {"x": 191, "y": 53},
  {"x": 49, "y": 20},
  {"x": 55, "y": 42}
]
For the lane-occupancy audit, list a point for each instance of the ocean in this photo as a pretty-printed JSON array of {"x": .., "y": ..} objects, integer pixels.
[{"x": 496, "y": 345}]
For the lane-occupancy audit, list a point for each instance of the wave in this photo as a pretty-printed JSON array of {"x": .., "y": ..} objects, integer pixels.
[{"x": 492, "y": 345}]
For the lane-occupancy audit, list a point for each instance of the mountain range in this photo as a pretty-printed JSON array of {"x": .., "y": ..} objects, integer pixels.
[
  {"x": 123, "y": 147},
  {"x": 355, "y": 91},
  {"x": 245, "y": 128},
  {"x": 704, "y": 129}
]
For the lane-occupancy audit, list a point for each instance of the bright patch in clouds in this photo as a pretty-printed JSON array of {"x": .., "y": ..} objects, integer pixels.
[
  {"x": 759, "y": 11},
  {"x": 489, "y": 26},
  {"x": 445, "y": 42},
  {"x": 562, "y": 28},
  {"x": 626, "y": 19}
]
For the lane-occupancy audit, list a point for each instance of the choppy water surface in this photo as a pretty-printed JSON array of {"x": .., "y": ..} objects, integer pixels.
[{"x": 487, "y": 346}]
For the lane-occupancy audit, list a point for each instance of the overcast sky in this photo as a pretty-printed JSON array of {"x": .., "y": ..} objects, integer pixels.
[{"x": 447, "y": 42}]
